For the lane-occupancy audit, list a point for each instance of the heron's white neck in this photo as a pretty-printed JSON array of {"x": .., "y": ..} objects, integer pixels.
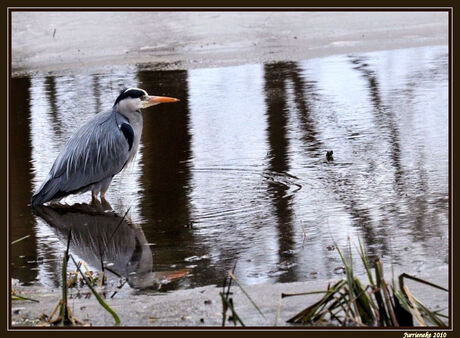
[{"x": 132, "y": 116}]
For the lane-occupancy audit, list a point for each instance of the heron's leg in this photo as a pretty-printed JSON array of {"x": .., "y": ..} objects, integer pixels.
[
  {"x": 94, "y": 200},
  {"x": 104, "y": 187}
]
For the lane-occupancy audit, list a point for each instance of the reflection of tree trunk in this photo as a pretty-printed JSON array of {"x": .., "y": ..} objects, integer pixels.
[
  {"x": 20, "y": 183},
  {"x": 50, "y": 90},
  {"x": 343, "y": 189},
  {"x": 97, "y": 92},
  {"x": 166, "y": 151},
  {"x": 385, "y": 119},
  {"x": 166, "y": 156},
  {"x": 277, "y": 120},
  {"x": 301, "y": 89},
  {"x": 313, "y": 147}
]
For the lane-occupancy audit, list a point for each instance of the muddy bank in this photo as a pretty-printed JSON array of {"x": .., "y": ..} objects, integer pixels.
[
  {"x": 202, "y": 306},
  {"x": 75, "y": 41}
]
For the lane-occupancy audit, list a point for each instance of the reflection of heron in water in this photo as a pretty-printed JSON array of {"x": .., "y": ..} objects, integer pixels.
[{"x": 100, "y": 237}]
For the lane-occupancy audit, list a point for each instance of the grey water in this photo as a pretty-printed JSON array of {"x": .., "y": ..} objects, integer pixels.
[{"x": 236, "y": 172}]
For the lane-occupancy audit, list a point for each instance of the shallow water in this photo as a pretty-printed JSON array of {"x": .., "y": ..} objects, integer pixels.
[{"x": 236, "y": 171}]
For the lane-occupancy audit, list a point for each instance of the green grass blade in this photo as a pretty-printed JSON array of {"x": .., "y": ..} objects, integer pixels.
[
  {"x": 18, "y": 297},
  {"x": 365, "y": 260},
  {"x": 232, "y": 276},
  {"x": 98, "y": 297},
  {"x": 405, "y": 275},
  {"x": 362, "y": 303},
  {"x": 284, "y": 295},
  {"x": 305, "y": 315},
  {"x": 230, "y": 306}
]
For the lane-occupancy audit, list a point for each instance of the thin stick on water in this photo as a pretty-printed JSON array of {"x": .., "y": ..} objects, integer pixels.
[
  {"x": 116, "y": 229},
  {"x": 304, "y": 238},
  {"x": 20, "y": 239},
  {"x": 278, "y": 310},
  {"x": 64, "y": 313}
]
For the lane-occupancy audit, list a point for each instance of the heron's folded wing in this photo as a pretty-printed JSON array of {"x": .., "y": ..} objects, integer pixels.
[{"x": 98, "y": 150}]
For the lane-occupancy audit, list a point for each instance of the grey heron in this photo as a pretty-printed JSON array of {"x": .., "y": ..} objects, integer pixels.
[{"x": 99, "y": 150}]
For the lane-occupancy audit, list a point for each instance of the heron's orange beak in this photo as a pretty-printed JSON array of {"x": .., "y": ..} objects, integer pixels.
[
  {"x": 162, "y": 99},
  {"x": 153, "y": 100}
]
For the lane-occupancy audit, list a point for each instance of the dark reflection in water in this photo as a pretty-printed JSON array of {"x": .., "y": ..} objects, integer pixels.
[
  {"x": 342, "y": 188},
  {"x": 304, "y": 91},
  {"x": 236, "y": 171},
  {"x": 20, "y": 183},
  {"x": 104, "y": 240},
  {"x": 275, "y": 76},
  {"x": 97, "y": 92},
  {"x": 385, "y": 118},
  {"x": 50, "y": 88},
  {"x": 166, "y": 156}
]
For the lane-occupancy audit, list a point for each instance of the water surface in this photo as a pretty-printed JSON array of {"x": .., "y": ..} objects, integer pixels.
[{"x": 236, "y": 171}]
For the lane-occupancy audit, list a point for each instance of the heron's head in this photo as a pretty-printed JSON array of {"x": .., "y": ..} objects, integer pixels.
[{"x": 132, "y": 99}]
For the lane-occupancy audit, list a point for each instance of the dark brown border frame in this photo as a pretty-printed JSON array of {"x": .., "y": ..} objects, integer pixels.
[{"x": 233, "y": 7}]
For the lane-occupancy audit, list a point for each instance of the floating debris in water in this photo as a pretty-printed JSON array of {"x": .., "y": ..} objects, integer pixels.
[
  {"x": 339, "y": 270},
  {"x": 329, "y": 156},
  {"x": 276, "y": 273},
  {"x": 196, "y": 258},
  {"x": 286, "y": 265}
]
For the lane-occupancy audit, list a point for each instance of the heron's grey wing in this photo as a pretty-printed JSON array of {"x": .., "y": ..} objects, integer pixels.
[{"x": 98, "y": 150}]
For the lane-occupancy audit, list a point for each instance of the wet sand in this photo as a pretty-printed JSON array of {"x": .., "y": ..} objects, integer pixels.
[
  {"x": 203, "y": 306},
  {"x": 74, "y": 41}
]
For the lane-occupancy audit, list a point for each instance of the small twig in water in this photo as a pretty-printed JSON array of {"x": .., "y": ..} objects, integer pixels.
[{"x": 304, "y": 238}]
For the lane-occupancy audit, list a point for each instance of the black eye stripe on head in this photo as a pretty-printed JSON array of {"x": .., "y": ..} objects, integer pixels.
[{"x": 129, "y": 93}]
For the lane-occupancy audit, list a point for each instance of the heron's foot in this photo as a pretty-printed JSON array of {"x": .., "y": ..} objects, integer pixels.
[
  {"x": 105, "y": 204},
  {"x": 95, "y": 202}
]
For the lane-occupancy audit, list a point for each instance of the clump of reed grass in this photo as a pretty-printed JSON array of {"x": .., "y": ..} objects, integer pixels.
[{"x": 349, "y": 303}]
